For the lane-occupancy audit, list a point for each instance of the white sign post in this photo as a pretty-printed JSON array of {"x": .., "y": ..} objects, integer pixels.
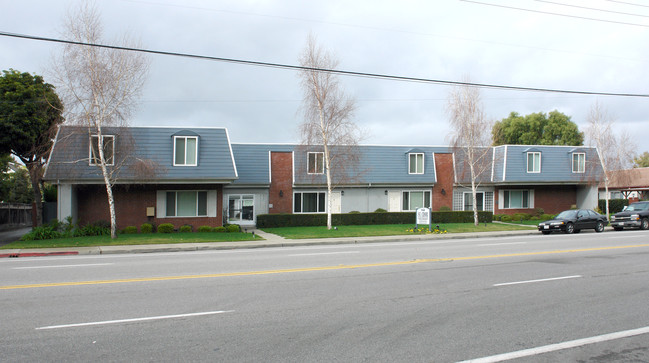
[{"x": 423, "y": 217}]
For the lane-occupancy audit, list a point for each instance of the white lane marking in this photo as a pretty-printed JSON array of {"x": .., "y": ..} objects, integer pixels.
[
  {"x": 135, "y": 320},
  {"x": 539, "y": 280},
  {"x": 501, "y": 244},
  {"x": 560, "y": 346},
  {"x": 323, "y": 253},
  {"x": 61, "y": 266}
]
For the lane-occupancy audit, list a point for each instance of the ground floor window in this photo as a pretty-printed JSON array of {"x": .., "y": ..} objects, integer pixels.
[
  {"x": 516, "y": 199},
  {"x": 415, "y": 199},
  {"x": 186, "y": 204},
  {"x": 309, "y": 202},
  {"x": 241, "y": 207},
  {"x": 468, "y": 200}
]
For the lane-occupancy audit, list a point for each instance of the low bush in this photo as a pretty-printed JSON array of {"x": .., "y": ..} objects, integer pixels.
[
  {"x": 534, "y": 218},
  {"x": 130, "y": 230},
  {"x": 445, "y": 208},
  {"x": 506, "y": 218},
  {"x": 204, "y": 229},
  {"x": 538, "y": 212},
  {"x": 220, "y": 229},
  {"x": 41, "y": 233},
  {"x": 146, "y": 228},
  {"x": 185, "y": 229},
  {"x": 380, "y": 210},
  {"x": 521, "y": 217},
  {"x": 296, "y": 220},
  {"x": 546, "y": 217},
  {"x": 166, "y": 228},
  {"x": 92, "y": 229},
  {"x": 232, "y": 228}
]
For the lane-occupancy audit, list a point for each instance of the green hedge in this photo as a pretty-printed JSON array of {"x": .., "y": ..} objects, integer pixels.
[
  {"x": 614, "y": 205},
  {"x": 299, "y": 220}
]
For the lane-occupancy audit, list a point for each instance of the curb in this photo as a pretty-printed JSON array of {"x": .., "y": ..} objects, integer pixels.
[{"x": 268, "y": 243}]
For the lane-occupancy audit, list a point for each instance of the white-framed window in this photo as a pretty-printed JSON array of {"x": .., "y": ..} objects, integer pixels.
[
  {"x": 108, "y": 144},
  {"x": 468, "y": 200},
  {"x": 241, "y": 208},
  {"x": 185, "y": 150},
  {"x": 309, "y": 202},
  {"x": 517, "y": 199},
  {"x": 578, "y": 162},
  {"x": 413, "y": 199},
  {"x": 416, "y": 163},
  {"x": 186, "y": 203},
  {"x": 315, "y": 163},
  {"x": 534, "y": 162}
]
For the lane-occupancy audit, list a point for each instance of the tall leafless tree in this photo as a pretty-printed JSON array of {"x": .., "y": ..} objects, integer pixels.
[
  {"x": 615, "y": 147},
  {"x": 470, "y": 135},
  {"x": 100, "y": 86},
  {"x": 328, "y": 115}
]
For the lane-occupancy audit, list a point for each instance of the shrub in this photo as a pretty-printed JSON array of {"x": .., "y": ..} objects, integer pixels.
[
  {"x": 233, "y": 228},
  {"x": 445, "y": 208},
  {"x": 354, "y": 212},
  {"x": 98, "y": 228},
  {"x": 534, "y": 218},
  {"x": 538, "y": 212},
  {"x": 204, "y": 229},
  {"x": 146, "y": 228},
  {"x": 185, "y": 229},
  {"x": 546, "y": 217},
  {"x": 521, "y": 217},
  {"x": 220, "y": 229},
  {"x": 614, "y": 205},
  {"x": 380, "y": 210},
  {"x": 506, "y": 218},
  {"x": 41, "y": 233},
  {"x": 166, "y": 228},
  {"x": 130, "y": 230}
]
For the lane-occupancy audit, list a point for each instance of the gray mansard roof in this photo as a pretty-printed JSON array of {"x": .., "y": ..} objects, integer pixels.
[{"x": 143, "y": 154}]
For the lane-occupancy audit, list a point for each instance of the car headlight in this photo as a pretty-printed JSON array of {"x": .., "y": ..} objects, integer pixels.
[
  {"x": 557, "y": 223},
  {"x": 612, "y": 218},
  {"x": 635, "y": 217}
]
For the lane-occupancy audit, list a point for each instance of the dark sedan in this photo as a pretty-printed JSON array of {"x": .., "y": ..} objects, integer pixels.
[{"x": 573, "y": 221}]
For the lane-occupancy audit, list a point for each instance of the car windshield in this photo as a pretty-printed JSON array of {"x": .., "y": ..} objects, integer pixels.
[
  {"x": 567, "y": 214},
  {"x": 637, "y": 207}
]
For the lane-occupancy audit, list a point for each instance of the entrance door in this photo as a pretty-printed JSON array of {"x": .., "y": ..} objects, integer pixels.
[
  {"x": 336, "y": 204},
  {"x": 468, "y": 200},
  {"x": 394, "y": 201},
  {"x": 241, "y": 209}
]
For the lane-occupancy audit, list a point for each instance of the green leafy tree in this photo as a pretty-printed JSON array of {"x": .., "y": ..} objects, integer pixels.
[
  {"x": 30, "y": 110},
  {"x": 642, "y": 160},
  {"x": 555, "y": 128},
  {"x": 20, "y": 189},
  {"x": 4, "y": 177}
]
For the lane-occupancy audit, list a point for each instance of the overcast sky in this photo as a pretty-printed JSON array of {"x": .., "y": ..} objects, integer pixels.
[{"x": 443, "y": 39}]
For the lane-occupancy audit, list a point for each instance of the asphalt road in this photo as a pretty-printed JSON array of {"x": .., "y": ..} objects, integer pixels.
[{"x": 543, "y": 298}]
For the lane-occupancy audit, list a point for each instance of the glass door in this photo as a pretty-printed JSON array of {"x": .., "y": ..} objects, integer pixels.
[{"x": 241, "y": 208}]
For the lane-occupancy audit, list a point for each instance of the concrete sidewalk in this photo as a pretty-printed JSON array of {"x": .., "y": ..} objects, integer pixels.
[{"x": 270, "y": 240}]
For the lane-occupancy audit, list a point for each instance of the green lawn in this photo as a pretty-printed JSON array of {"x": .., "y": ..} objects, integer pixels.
[
  {"x": 134, "y": 239},
  {"x": 383, "y": 230},
  {"x": 527, "y": 223}
]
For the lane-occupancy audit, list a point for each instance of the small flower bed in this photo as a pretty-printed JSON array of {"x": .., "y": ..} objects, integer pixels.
[{"x": 424, "y": 230}]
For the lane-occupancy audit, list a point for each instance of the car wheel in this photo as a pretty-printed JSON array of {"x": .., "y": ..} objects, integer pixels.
[
  {"x": 570, "y": 228},
  {"x": 618, "y": 228},
  {"x": 644, "y": 224},
  {"x": 546, "y": 232},
  {"x": 599, "y": 227}
]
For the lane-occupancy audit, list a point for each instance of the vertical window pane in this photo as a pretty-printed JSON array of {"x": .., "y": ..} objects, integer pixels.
[
  {"x": 94, "y": 149},
  {"x": 321, "y": 202},
  {"x": 311, "y": 162},
  {"x": 309, "y": 202},
  {"x": 525, "y": 197},
  {"x": 413, "y": 163},
  {"x": 171, "y": 204},
  {"x": 186, "y": 204},
  {"x": 109, "y": 142},
  {"x": 191, "y": 151},
  {"x": 479, "y": 201},
  {"x": 506, "y": 195},
  {"x": 180, "y": 151},
  {"x": 416, "y": 200},
  {"x": 406, "y": 203},
  {"x": 202, "y": 203},
  {"x": 427, "y": 199},
  {"x": 515, "y": 199},
  {"x": 468, "y": 201},
  {"x": 420, "y": 163},
  {"x": 297, "y": 203}
]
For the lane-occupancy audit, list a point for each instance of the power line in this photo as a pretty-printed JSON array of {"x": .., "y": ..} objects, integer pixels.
[
  {"x": 333, "y": 71},
  {"x": 595, "y": 9},
  {"x": 557, "y": 14},
  {"x": 628, "y": 3}
]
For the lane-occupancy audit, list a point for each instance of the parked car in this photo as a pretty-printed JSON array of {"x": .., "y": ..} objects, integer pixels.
[
  {"x": 634, "y": 215},
  {"x": 573, "y": 221}
]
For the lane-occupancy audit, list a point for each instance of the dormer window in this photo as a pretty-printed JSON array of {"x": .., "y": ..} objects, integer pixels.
[
  {"x": 534, "y": 162},
  {"x": 416, "y": 163},
  {"x": 185, "y": 150},
  {"x": 315, "y": 163},
  {"x": 108, "y": 146},
  {"x": 578, "y": 162}
]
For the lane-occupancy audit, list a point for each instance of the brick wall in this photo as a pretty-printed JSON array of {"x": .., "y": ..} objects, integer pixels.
[
  {"x": 443, "y": 190},
  {"x": 553, "y": 199},
  {"x": 131, "y": 202},
  {"x": 281, "y": 166}
]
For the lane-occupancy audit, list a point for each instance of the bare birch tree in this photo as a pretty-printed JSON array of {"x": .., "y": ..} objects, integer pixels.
[
  {"x": 470, "y": 135},
  {"x": 615, "y": 149},
  {"x": 100, "y": 87},
  {"x": 327, "y": 115}
]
